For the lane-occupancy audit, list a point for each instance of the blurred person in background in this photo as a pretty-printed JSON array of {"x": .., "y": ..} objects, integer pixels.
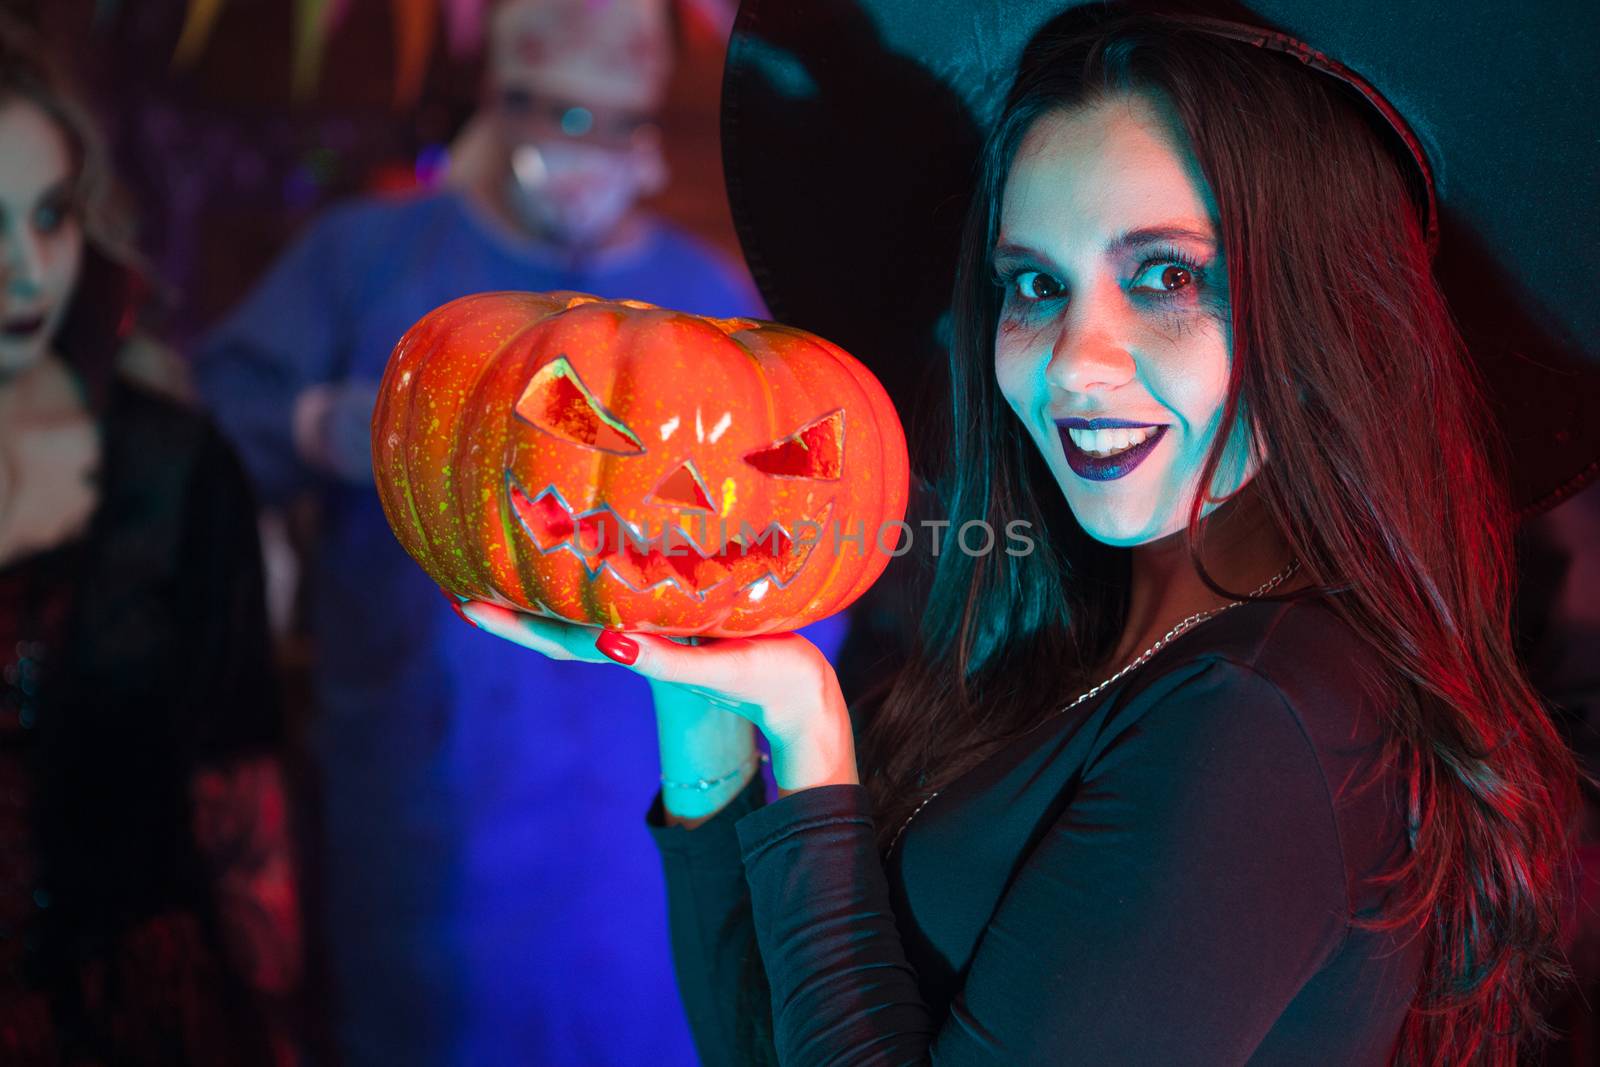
[
  {"x": 148, "y": 908},
  {"x": 489, "y": 897}
]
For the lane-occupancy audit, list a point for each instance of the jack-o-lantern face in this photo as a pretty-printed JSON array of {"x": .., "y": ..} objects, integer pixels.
[
  {"x": 681, "y": 536},
  {"x": 618, "y": 464}
]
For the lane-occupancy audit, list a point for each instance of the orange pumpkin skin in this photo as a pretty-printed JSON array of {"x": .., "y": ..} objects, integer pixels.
[{"x": 516, "y": 433}]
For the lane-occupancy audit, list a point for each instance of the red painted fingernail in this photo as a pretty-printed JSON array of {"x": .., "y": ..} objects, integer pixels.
[
  {"x": 455, "y": 606},
  {"x": 622, "y": 649}
]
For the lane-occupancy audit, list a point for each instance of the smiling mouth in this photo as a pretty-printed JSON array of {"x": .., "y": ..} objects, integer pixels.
[
  {"x": 673, "y": 556},
  {"x": 1103, "y": 443},
  {"x": 1100, "y": 452},
  {"x": 23, "y": 326}
]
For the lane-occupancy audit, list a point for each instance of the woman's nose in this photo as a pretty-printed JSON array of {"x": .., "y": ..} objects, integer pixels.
[
  {"x": 1090, "y": 351},
  {"x": 23, "y": 266}
]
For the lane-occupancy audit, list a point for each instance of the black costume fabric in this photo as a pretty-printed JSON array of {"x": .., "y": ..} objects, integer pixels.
[
  {"x": 143, "y": 654},
  {"x": 1165, "y": 874}
]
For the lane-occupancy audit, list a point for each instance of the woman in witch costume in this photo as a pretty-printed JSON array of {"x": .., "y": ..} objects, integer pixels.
[{"x": 1238, "y": 764}]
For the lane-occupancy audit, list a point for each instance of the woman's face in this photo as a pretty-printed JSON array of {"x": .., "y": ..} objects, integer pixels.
[
  {"x": 1113, "y": 344},
  {"x": 41, "y": 241}
]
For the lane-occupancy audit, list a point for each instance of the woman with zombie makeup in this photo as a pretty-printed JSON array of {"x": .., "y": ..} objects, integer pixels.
[
  {"x": 1239, "y": 763},
  {"x": 147, "y": 904}
]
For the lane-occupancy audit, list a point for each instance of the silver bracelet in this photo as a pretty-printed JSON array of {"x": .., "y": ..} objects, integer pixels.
[{"x": 702, "y": 784}]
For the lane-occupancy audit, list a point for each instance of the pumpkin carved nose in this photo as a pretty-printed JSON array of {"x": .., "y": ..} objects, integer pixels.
[{"x": 683, "y": 488}]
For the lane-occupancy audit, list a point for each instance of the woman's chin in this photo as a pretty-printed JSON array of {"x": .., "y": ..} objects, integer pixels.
[
  {"x": 1133, "y": 510},
  {"x": 1112, "y": 515},
  {"x": 1122, "y": 527},
  {"x": 15, "y": 359}
]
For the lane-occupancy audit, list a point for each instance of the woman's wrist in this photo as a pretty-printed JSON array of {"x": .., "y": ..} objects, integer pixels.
[
  {"x": 701, "y": 742},
  {"x": 689, "y": 808},
  {"x": 704, "y": 784},
  {"x": 698, "y": 738},
  {"x": 824, "y": 755}
]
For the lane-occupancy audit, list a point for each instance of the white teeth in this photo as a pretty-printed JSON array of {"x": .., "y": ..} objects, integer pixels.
[{"x": 1110, "y": 442}]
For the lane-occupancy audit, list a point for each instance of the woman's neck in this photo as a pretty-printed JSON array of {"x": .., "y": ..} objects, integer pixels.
[
  {"x": 1241, "y": 549},
  {"x": 43, "y": 388}
]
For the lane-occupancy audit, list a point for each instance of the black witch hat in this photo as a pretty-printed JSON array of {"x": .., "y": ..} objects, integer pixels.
[{"x": 851, "y": 130}]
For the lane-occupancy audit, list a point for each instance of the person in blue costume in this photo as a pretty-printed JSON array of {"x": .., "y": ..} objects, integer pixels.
[
  {"x": 489, "y": 897},
  {"x": 1238, "y": 762}
]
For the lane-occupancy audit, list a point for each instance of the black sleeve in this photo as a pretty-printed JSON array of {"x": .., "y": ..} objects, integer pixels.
[
  {"x": 709, "y": 920},
  {"x": 232, "y": 698},
  {"x": 1193, "y": 884}
]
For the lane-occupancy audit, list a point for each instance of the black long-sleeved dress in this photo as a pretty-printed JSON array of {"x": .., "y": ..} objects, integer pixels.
[
  {"x": 133, "y": 655},
  {"x": 1164, "y": 875}
]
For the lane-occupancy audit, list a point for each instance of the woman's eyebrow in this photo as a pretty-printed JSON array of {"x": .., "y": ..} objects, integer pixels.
[
  {"x": 60, "y": 188},
  {"x": 1161, "y": 233},
  {"x": 1010, "y": 252}
]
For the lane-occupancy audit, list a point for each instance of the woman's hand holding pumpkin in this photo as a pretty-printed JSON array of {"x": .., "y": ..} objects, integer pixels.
[
  {"x": 644, "y": 468},
  {"x": 780, "y": 682}
]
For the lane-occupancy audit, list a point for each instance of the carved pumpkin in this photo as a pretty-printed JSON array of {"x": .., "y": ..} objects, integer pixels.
[{"x": 617, "y": 464}]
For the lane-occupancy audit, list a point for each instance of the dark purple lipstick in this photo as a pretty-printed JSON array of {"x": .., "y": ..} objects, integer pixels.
[
  {"x": 1106, "y": 468},
  {"x": 23, "y": 326}
]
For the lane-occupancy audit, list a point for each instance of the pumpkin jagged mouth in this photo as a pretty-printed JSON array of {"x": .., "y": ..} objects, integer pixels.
[{"x": 604, "y": 541}]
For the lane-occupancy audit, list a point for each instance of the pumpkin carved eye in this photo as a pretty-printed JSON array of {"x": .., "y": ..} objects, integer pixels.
[
  {"x": 683, "y": 488},
  {"x": 557, "y": 402},
  {"x": 815, "y": 450}
]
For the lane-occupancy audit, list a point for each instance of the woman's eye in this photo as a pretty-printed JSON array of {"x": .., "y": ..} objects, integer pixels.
[
  {"x": 48, "y": 218},
  {"x": 1033, "y": 285},
  {"x": 1164, "y": 277}
]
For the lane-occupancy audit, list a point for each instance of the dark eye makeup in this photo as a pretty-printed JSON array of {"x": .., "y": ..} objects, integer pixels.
[{"x": 1029, "y": 289}]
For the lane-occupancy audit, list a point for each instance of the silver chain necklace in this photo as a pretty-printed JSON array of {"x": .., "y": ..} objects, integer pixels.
[{"x": 1161, "y": 642}]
